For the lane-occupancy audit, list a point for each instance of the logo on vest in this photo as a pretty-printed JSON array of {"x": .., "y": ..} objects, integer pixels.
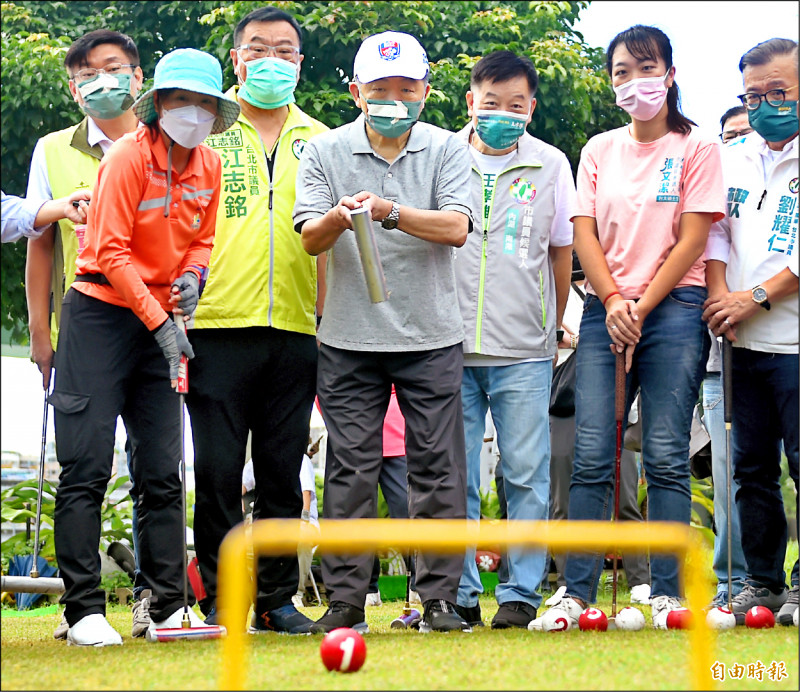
[
  {"x": 522, "y": 191},
  {"x": 793, "y": 186},
  {"x": 297, "y": 147}
]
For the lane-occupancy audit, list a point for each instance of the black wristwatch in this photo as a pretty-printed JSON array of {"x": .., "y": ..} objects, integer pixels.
[
  {"x": 760, "y": 297},
  {"x": 394, "y": 216}
]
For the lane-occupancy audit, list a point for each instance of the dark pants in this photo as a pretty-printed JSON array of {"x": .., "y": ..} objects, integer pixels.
[
  {"x": 393, "y": 480},
  {"x": 765, "y": 413},
  {"x": 258, "y": 380},
  {"x": 354, "y": 389},
  {"x": 108, "y": 364}
]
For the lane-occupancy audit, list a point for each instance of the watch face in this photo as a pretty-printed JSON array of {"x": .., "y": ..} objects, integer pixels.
[
  {"x": 759, "y": 294},
  {"x": 389, "y": 223}
]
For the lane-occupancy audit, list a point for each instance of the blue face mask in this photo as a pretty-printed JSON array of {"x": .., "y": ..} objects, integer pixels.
[
  {"x": 499, "y": 129},
  {"x": 392, "y": 119},
  {"x": 775, "y": 123},
  {"x": 106, "y": 96},
  {"x": 270, "y": 83}
]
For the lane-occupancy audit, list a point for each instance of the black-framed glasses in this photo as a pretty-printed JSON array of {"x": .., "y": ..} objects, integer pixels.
[
  {"x": 728, "y": 135},
  {"x": 774, "y": 97},
  {"x": 255, "y": 51},
  {"x": 88, "y": 73}
]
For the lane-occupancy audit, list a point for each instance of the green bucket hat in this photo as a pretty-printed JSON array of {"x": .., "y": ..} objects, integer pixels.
[{"x": 193, "y": 70}]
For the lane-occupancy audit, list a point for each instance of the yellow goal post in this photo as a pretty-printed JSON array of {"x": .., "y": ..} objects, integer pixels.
[{"x": 448, "y": 536}]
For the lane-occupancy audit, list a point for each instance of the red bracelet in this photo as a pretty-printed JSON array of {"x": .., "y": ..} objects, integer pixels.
[{"x": 613, "y": 293}]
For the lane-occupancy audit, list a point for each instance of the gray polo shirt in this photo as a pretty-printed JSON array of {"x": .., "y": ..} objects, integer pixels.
[{"x": 432, "y": 172}]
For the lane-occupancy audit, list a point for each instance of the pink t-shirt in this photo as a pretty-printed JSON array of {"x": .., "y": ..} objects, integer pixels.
[
  {"x": 637, "y": 192},
  {"x": 394, "y": 430}
]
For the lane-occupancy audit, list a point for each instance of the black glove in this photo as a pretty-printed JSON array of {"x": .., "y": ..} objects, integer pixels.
[
  {"x": 189, "y": 287},
  {"x": 173, "y": 343}
]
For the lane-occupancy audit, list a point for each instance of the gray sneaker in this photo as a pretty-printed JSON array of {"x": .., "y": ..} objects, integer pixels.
[
  {"x": 786, "y": 613},
  {"x": 141, "y": 614},
  {"x": 751, "y": 596},
  {"x": 63, "y": 627}
]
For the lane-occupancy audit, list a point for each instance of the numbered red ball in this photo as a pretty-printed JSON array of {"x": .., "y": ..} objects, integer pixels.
[
  {"x": 343, "y": 650},
  {"x": 759, "y": 617},
  {"x": 593, "y": 619},
  {"x": 679, "y": 619}
]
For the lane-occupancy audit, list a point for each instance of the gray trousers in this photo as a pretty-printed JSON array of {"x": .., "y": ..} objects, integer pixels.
[
  {"x": 354, "y": 389},
  {"x": 562, "y": 452}
]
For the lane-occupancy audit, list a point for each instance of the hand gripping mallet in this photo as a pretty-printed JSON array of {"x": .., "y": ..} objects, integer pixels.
[
  {"x": 185, "y": 631},
  {"x": 727, "y": 397},
  {"x": 619, "y": 416}
]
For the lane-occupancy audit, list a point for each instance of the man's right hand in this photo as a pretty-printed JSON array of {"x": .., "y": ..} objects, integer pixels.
[{"x": 42, "y": 355}]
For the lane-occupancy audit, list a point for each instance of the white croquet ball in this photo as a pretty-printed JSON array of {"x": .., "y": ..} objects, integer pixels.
[
  {"x": 721, "y": 619},
  {"x": 794, "y": 617},
  {"x": 555, "y": 620},
  {"x": 630, "y": 619}
]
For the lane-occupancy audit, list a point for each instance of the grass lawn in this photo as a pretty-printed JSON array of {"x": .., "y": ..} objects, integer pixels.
[{"x": 396, "y": 660}]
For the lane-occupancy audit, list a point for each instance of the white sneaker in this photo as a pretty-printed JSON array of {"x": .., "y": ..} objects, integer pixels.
[
  {"x": 297, "y": 600},
  {"x": 640, "y": 594},
  {"x": 413, "y": 598},
  {"x": 661, "y": 605},
  {"x": 93, "y": 630},
  {"x": 174, "y": 621},
  {"x": 568, "y": 606},
  {"x": 373, "y": 599},
  {"x": 557, "y": 596}
]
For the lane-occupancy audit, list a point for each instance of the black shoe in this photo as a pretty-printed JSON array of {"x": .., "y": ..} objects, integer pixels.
[
  {"x": 340, "y": 614},
  {"x": 472, "y": 616},
  {"x": 286, "y": 619},
  {"x": 211, "y": 618},
  {"x": 513, "y": 614},
  {"x": 441, "y": 616}
]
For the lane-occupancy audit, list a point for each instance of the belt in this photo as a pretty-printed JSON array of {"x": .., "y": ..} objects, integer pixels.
[{"x": 93, "y": 279}]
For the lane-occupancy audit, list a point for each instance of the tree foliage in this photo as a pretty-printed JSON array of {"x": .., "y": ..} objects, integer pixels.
[{"x": 575, "y": 100}]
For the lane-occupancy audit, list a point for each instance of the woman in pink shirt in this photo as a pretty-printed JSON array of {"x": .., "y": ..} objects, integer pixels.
[{"x": 647, "y": 195}]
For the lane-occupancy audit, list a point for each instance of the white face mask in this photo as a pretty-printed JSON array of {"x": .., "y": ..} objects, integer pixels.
[
  {"x": 642, "y": 98},
  {"x": 188, "y": 125}
]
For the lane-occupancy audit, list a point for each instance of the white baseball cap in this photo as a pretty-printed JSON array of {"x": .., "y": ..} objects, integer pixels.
[{"x": 390, "y": 54}]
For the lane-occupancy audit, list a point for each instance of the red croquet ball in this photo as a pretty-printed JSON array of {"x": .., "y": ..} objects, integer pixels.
[
  {"x": 759, "y": 617},
  {"x": 593, "y": 619},
  {"x": 343, "y": 650},
  {"x": 679, "y": 619}
]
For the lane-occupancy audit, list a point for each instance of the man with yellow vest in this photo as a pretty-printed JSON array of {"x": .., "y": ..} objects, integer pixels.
[
  {"x": 254, "y": 331},
  {"x": 104, "y": 80}
]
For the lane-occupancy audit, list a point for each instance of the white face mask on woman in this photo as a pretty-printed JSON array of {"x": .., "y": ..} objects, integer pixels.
[
  {"x": 642, "y": 98},
  {"x": 187, "y": 125}
]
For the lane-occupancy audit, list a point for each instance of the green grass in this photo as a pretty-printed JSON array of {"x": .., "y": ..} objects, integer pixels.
[{"x": 487, "y": 659}]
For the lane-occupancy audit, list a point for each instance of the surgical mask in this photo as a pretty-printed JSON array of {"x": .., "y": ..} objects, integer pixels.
[
  {"x": 106, "y": 96},
  {"x": 187, "y": 125},
  {"x": 500, "y": 129},
  {"x": 775, "y": 123},
  {"x": 642, "y": 98},
  {"x": 392, "y": 119},
  {"x": 270, "y": 83}
]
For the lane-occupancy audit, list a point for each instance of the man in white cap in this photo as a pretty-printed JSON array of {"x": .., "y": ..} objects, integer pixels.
[{"x": 411, "y": 176}]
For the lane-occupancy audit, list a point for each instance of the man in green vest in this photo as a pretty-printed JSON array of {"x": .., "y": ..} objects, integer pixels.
[
  {"x": 254, "y": 330},
  {"x": 104, "y": 80}
]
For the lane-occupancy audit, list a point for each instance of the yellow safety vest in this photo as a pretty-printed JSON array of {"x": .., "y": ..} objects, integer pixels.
[
  {"x": 71, "y": 165},
  {"x": 259, "y": 273}
]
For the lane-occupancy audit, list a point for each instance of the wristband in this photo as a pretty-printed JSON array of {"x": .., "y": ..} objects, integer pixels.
[
  {"x": 573, "y": 341},
  {"x": 613, "y": 293}
]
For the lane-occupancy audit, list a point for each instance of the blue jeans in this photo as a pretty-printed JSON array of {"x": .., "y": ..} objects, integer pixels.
[
  {"x": 668, "y": 366},
  {"x": 765, "y": 413},
  {"x": 519, "y": 397},
  {"x": 714, "y": 418}
]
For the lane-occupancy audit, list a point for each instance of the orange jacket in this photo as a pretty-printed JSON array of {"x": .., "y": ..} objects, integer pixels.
[{"x": 128, "y": 238}]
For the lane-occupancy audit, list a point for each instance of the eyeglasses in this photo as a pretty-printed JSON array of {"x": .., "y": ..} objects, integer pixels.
[
  {"x": 254, "y": 51},
  {"x": 88, "y": 73},
  {"x": 774, "y": 97},
  {"x": 728, "y": 135}
]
